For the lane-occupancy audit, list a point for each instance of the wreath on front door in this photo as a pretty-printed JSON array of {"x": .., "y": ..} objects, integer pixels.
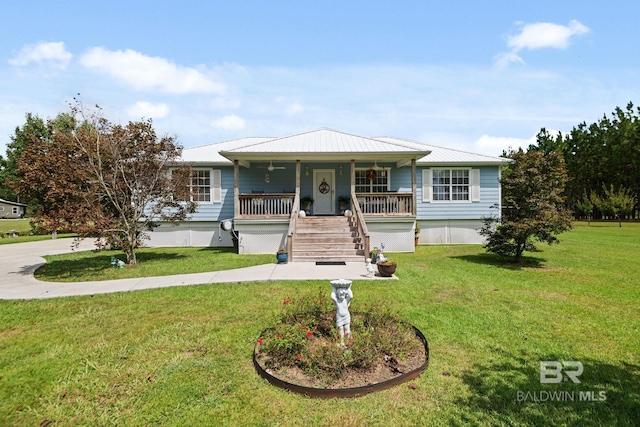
[
  {"x": 324, "y": 187},
  {"x": 371, "y": 174}
]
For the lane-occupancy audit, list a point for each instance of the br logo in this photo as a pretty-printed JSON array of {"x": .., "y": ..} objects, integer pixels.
[{"x": 551, "y": 372}]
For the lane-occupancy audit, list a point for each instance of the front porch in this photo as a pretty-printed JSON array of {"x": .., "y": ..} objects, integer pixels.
[
  {"x": 273, "y": 205},
  {"x": 272, "y": 178},
  {"x": 259, "y": 210}
]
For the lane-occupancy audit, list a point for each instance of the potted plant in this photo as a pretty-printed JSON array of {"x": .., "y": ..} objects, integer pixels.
[
  {"x": 282, "y": 256},
  {"x": 306, "y": 202},
  {"x": 343, "y": 200},
  {"x": 387, "y": 268},
  {"x": 416, "y": 235},
  {"x": 374, "y": 255}
]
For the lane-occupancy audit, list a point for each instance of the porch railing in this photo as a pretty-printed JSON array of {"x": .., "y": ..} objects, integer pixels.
[
  {"x": 385, "y": 203},
  {"x": 270, "y": 204},
  {"x": 292, "y": 225},
  {"x": 363, "y": 232}
]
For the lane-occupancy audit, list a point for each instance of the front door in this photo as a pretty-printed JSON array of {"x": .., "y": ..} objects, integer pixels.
[{"x": 323, "y": 192}]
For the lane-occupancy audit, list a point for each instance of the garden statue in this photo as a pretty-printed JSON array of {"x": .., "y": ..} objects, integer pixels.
[
  {"x": 370, "y": 271},
  {"x": 341, "y": 295}
]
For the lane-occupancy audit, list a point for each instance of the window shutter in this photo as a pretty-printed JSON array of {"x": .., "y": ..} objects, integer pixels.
[
  {"x": 216, "y": 184},
  {"x": 427, "y": 182},
  {"x": 475, "y": 185}
]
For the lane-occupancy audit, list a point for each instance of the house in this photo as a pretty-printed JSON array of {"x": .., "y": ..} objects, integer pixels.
[
  {"x": 12, "y": 209},
  {"x": 252, "y": 188}
]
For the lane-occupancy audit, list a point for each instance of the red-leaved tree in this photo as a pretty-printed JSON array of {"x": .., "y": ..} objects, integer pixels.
[{"x": 103, "y": 180}]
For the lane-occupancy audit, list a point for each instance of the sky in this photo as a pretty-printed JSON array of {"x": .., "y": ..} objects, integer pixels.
[{"x": 479, "y": 76}]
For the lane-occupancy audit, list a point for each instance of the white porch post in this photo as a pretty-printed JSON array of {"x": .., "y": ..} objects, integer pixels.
[
  {"x": 298, "y": 177},
  {"x": 353, "y": 176},
  {"x": 236, "y": 189},
  {"x": 413, "y": 186}
]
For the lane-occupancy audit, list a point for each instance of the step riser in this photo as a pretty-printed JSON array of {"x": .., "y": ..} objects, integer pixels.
[{"x": 326, "y": 239}]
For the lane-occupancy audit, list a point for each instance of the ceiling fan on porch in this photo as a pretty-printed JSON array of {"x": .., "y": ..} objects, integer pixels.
[{"x": 271, "y": 168}]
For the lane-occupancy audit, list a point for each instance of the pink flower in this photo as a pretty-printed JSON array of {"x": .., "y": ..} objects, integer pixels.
[
  {"x": 299, "y": 357},
  {"x": 260, "y": 341},
  {"x": 309, "y": 334}
]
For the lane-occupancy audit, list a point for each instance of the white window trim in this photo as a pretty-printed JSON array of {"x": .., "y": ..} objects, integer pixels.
[
  {"x": 474, "y": 185},
  {"x": 387, "y": 170},
  {"x": 215, "y": 185},
  {"x": 1, "y": 208}
]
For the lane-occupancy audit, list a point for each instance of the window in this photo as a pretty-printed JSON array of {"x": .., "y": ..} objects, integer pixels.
[
  {"x": 451, "y": 185},
  {"x": 14, "y": 210},
  {"x": 379, "y": 184},
  {"x": 201, "y": 185},
  {"x": 206, "y": 185},
  {"x": 1, "y": 208}
]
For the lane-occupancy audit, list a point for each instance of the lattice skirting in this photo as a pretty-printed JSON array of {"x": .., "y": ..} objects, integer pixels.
[
  {"x": 207, "y": 234},
  {"x": 450, "y": 232}
]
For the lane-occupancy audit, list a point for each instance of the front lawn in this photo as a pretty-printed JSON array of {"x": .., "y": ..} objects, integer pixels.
[
  {"x": 88, "y": 265},
  {"x": 182, "y": 356}
]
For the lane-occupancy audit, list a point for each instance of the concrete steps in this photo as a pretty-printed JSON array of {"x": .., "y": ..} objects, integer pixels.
[{"x": 326, "y": 238}]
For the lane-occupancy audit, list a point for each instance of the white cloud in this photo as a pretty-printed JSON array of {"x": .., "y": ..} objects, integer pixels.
[
  {"x": 148, "y": 110},
  {"x": 294, "y": 109},
  {"x": 231, "y": 122},
  {"x": 495, "y": 144},
  {"x": 149, "y": 73},
  {"x": 53, "y": 53},
  {"x": 537, "y": 36}
]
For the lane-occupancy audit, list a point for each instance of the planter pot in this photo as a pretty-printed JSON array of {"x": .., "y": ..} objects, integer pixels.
[
  {"x": 282, "y": 258},
  {"x": 386, "y": 269}
]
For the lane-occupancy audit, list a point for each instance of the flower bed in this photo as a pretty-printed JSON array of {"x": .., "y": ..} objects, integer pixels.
[{"x": 303, "y": 349}]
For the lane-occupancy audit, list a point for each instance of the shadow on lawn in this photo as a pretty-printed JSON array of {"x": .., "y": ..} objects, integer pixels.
[
  {"x": 55, "y": 269},
  {"x": 510, "y": 393},
  {"x": 498, "y": 261}
]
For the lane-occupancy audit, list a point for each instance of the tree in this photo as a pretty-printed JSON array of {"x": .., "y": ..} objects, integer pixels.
[
  {"x": 614, "y": 203},
  {"x": 585, "y": 205},
  {"x": 34, "y": 127},
  {"x": 533, "y": 205},
  {"x": 103, "y": 180}
]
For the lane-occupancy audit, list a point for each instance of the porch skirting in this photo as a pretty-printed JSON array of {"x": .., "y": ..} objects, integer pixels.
[
  {"x": 192, "y": 233},
  {"x": 395, "y": 233},
  {"x": 450, "y": 232},
  {"x": 261, "y": 236}
]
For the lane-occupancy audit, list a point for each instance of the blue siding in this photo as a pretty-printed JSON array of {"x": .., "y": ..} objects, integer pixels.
[
  {"x": 218, "y": 211},
  {"x": 283, "y": 180},
  {"x": 489, "y": 195}
]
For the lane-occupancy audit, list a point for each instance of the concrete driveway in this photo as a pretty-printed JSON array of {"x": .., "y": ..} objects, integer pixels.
[{"x": 18, "y": 261}]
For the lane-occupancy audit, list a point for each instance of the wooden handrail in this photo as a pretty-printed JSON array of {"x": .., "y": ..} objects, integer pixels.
[
  {"x": 266, "y": 204},
  {"x": 386, "y": 204},
  {"x": 292, "y": 224},
  {"x": 362, "y": 225}
]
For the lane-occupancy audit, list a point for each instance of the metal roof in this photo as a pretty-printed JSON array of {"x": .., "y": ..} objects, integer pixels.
[
  {"x": 324, "y": 141},
  {"x": 210, "y": 153},
  {"x": 441, "y": 156},
  {"x": 327, "y": 144},
  {"x": 9, "y": 202}
]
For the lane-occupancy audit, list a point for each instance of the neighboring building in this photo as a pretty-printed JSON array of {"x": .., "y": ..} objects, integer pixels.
[
  {"x": 12, "y": 209},
  {"x": 393, "y": 184}
]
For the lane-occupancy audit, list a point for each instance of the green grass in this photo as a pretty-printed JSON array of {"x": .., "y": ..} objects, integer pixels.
[
  {"x": 182, "y": 356},
  {"x": 23, "y": 227},
  {"x": 85, "y": 266}
]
